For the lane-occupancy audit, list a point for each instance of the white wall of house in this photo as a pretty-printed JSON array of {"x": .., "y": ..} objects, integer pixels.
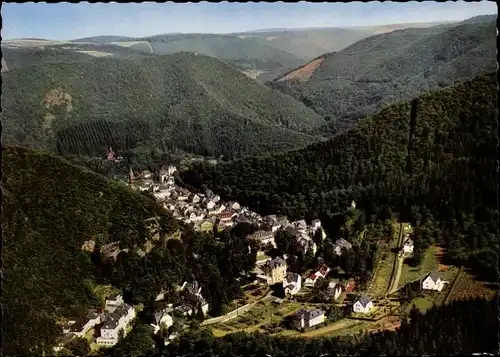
[
  {"x": 357, "y": 307},
  {"x": 317, "y": 320},
  {"x": 429, "y": 284}
]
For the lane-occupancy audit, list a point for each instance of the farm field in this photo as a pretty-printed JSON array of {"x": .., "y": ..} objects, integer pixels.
[
  {"x": 430, "y": 262},
  {"x": 467, "y": 287},
  {"x": 265, "y": 312}
]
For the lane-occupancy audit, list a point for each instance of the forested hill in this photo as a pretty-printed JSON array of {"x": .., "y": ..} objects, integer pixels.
[
  {"x": 384, "y": 69},
  {"x": 182, "y": 101},
  {"x": 50, "y": 208},
  {"x": 433, "y": 159}
]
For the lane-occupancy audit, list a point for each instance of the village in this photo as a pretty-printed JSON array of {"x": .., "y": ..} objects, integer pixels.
[{"x": 274, "y": 291}]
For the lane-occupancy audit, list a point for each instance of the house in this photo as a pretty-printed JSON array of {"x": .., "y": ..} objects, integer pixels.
[
  {"x": 292, "y": 283},
  {"x": 363, "y": 304},
  {"x": 85, "y": 323},
  {"x": 216, "y": 198},
  {"x": 309, "y": 318},
  {"x": 226, "y": 216},
  {"x": 206, "y": 225},
  {"x": 114, "y": 300},
  {"x": 116, "y": 321},
  {"x": 264, "y": 237},
  {"x": 341, "y": 244},
  {"x": 433, "y": 281},
  {"x": 276, "y": 269},
  {"x": 170, "y": 180},
  {"x": 146, "y": 174},
  {"x": 242, "y": 219},
  {"x": 162, "y": 318},
  {"x": 353, "y": 205},
  {"x": 334, "y": 290},
  {"x": 192, "y": 296},
  {"x": 323, "y": 271},
  {"x": 311, "y": 280},
  {"x": 349, "y": 285},
  {"x": 407, "y": 245},
  {"x": 195, "y": 198},
  {"x": 300, "y": 225},
  {"x": 306, "y": 243},
  {"x": 234, "y": 205},
  {"x": 162, "y": 194},
  {"x": 196, "y": 301},
  {"x": 185, "y": 310}
]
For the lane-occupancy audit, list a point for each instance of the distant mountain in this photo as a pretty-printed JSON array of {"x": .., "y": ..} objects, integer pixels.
[
  {"x": 49, "y": 209},
  {"x": 377, "y": 71},
  {"x": 151, "y": 105},
  {"x": 103, "y": 39}
]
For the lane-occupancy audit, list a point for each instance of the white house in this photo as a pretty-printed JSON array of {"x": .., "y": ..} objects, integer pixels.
[
  {"x": 323, "y": 271},
  {"x": 363, "y": 304},
  {"x": 292, "y": 283},
  {"x": 162, "y": 318},
  {"x": 353, "y": 205},
  {"x": 309, "y": 318},
  {"x": 341, "y": 243},
  {"x": 264, "y": 237},
  {"x": 334, "y": 289},
  {"x": 115, "y": 322},
  {"x": 311, "y": 280},
  {"x": 433, "y": 282},
  {"x": 408, "y": 245},
  {"x": 81, "y": 326},
  {"x": 114, "y": 300}
]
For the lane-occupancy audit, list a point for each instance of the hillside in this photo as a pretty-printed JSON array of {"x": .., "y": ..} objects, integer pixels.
[
  {"x": 183, "y": 101},
  {"x": 244, "y": 53},
  {"x": 406, "y": 158},
  {"x": 50, "y": 208},
  {"x": 383, "y": 69}
]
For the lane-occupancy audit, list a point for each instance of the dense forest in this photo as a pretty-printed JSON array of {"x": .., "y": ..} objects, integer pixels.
[
  {"x": 384, "y": 69},
  {"x": 182, "y": 101},
  {"x": 408, "y": 158},
  {"x": 462, "y": 327},
  {"x": 51, "y": 207}
]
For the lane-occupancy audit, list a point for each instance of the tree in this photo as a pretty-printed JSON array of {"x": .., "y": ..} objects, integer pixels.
[{"x": 79, "y": 347}]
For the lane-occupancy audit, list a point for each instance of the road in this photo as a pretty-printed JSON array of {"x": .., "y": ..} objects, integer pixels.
[{"x": 398, "y": 264}]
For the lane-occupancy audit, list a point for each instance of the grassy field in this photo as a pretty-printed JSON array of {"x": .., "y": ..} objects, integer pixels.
[
  {"x": 429, "y": 263},
  {"x": 421, "y": 303},
  {"x": 380, "y": 282},
  {"x": 262, "y": 313}
]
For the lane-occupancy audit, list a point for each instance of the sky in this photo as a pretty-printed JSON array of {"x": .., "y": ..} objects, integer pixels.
[{"x": 65, "y": 21}]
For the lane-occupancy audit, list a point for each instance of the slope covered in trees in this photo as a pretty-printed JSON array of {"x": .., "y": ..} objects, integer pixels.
[
  {"x": 51, "y": 207},
  {"x": 383, "y": 69},
  {"x": 190, "y": 102},
  {"x": 433, "y": 159}
]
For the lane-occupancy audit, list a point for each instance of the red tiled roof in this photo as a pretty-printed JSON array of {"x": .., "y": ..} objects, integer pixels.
[{"x": 313, "y": 276}]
